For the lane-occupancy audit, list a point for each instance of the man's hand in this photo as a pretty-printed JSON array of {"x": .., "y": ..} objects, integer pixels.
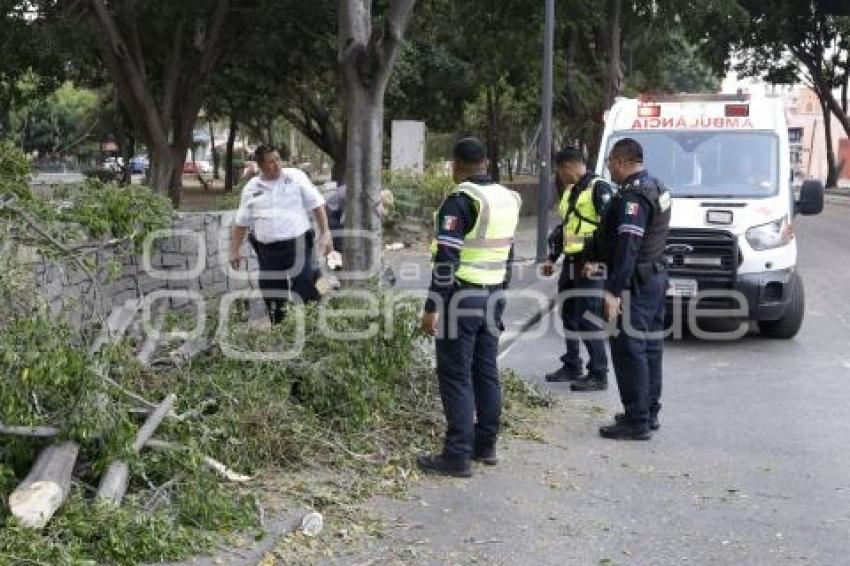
[
  {"x": 326, "y": 244},
  {"x": 235, "y": 259},
  {"x": 591, "y": 269},
  {"x": 429, "y": 323},
  {"x": 612, "y": 307},
  {"x": 547, "y": 269}
]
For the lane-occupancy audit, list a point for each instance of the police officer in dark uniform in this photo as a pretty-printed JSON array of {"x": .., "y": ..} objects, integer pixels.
[
  {"x": 471, "y": 255},
  {"x": 631, "y": 242},
  {"x": 584, "y": 198}
]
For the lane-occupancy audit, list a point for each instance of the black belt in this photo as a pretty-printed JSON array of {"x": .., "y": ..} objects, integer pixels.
[
  {"x": 460, "y": 284},
  {"x": 281, "y": 244}
]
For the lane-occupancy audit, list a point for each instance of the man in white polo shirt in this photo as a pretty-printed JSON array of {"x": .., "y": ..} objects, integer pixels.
[{"x": 274, "y": 212}]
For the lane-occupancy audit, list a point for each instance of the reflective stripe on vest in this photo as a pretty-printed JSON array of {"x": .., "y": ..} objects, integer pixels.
[
  {"x": 582, "y": 221},
  {"x": 486, "y": 247}
]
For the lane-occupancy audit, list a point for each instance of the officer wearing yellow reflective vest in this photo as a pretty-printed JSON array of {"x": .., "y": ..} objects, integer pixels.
[
  {"x": 584, "y": 198},
  {"x": 471, "y": 257}
]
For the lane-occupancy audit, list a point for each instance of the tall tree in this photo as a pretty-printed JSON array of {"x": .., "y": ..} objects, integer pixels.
[
  {"x": 160, "y": 56},
  {"x": 367, "y": 52},
  {"x": 788, "y": 40},
  {"x": 626, "y": 48}
]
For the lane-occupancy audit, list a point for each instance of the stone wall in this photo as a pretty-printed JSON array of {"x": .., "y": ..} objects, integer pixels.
[{"x": 192, "y": 257}]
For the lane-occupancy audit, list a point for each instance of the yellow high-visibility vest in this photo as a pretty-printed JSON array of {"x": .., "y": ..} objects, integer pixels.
[
  {"x": 580, "y": 221},
  {"x": 486, "y": 247}
]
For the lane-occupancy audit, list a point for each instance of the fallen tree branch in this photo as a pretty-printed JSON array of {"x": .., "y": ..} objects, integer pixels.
[
  {"x": 46, "y": 487},
  {"x": 101, "y": 373},
  {"x": 114, "y": 483},
  {"x": 60, "y": 246},
  {"x": 161, "y": 490},
  {"x": 34, "y": 431},
  {"x": 212, "y": 463}
]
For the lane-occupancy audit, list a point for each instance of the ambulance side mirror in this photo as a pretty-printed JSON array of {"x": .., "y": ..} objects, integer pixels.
[{"x": 811, "y": 199}]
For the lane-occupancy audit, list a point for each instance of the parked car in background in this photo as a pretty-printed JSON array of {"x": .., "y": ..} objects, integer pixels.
[
  {"x": 113, "y": 164},
  {"x": 190, "y": 168}
]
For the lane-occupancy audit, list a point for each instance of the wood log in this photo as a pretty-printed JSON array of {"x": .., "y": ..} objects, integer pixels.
[
  {"x": 113, "y": 484},
  {"x": 46, "y": 487},
  {"x": 35, "y": 431}
]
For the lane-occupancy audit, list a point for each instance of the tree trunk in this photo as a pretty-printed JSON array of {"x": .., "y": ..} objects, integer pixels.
[
  {"x": 228, "y": 156},
  {"x": 836, "y": 109},
  {"x": 167, "y": 172},
  {"x": 339, "y": 167},
  {"x": 269, "y": 132},
  {"x": 214, "y": 153},
  {"x": 46, "y": 487},
  {"x": 832, "y": 168},
  {"x": 612, "y": 83},
  {"x": 365, "y": 109},
  {"x": 493, "y": 149},
  {"x": 366, "y": 58}
]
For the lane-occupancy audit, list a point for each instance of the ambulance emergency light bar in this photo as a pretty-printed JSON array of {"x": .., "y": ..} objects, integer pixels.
[{"x": 731, "y": 111}]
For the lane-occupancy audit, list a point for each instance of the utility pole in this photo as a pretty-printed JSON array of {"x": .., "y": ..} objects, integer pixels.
[{"x": 546, "y": 134}]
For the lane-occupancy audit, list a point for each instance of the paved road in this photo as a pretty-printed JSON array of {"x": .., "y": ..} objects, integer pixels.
[{"x": 751, "y": 466}]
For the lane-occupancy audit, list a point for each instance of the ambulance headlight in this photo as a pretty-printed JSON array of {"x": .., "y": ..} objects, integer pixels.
[{"x": 771, "y": 235}]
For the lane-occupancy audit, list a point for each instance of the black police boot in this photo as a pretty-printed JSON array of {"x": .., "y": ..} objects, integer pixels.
[
  {"x": 653, "y": 420},
  {"x": 445, "y": 465},
  {"x": 565, "y": 373},
  {"x": 486, "y": 455},
  {"x": 593, "y": 382},
  {"x": 625, "y": 431}
]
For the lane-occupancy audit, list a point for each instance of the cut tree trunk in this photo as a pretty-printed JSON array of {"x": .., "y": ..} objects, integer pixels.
[
  {"x": 46, "y": 487},
  {"x": 113, "y": 484}
]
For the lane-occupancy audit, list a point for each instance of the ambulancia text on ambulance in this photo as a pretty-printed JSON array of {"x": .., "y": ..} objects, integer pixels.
[{"x": 725, "y": 160}]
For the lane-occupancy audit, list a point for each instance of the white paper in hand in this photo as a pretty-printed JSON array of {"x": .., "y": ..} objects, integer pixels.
[{"x": 334, "y": 260}]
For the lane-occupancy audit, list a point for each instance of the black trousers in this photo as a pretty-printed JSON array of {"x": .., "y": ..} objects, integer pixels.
[
  {"x": 467, "y": 349},
  {"x": 573, "y": 310},
  {"x": 637, "y": 358},
  {"x": 286, "y": 265}
]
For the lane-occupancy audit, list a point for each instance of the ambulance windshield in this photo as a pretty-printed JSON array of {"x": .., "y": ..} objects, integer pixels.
[{"x": 711, "y": 164}]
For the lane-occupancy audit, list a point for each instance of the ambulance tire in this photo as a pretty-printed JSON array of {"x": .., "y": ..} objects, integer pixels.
[{"x": 789, "y": 325}]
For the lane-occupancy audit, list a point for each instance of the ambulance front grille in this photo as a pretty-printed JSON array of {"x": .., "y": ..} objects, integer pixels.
[{"x": 709, "y": 256}]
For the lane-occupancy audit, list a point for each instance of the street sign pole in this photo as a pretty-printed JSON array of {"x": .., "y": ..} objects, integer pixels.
[{"x": 546, "y": 134}]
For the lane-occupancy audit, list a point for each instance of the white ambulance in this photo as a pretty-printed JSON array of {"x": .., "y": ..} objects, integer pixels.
[{"x": 725, "y": 159}]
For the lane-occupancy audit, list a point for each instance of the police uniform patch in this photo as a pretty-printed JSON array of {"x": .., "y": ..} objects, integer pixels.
[
  {"x": 664, "y": 201},
  {"x": 632, "y": 209},
  {"x": 450, "y": 223}
]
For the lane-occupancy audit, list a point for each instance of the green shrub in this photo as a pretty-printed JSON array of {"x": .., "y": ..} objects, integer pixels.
[{"x": 417, "y": 197}]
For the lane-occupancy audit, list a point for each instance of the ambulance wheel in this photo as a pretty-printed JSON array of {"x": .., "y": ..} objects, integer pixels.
[{"x": 789, "y": 325}]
